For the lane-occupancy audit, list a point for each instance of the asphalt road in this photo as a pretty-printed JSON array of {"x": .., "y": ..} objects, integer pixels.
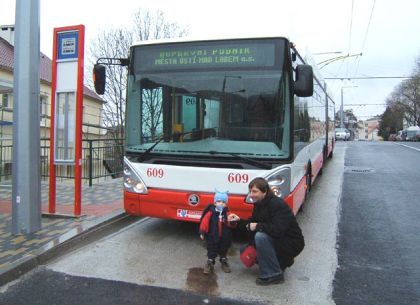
[
  {"x": 167, "y": 257},
  {"x": 378, "y": 243},
  {"x": 49, "y": 287},
  {"x": 360, "y": 227}
]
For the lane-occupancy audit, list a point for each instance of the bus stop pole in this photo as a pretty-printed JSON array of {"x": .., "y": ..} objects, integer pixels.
[
  {"x": 79, "y": 122},
  {"x": 53, "y": 179}
]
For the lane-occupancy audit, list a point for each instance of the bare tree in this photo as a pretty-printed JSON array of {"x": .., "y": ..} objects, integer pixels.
[
  {"x": 406, "y": 97},
  {"x": 149, "y": 26},
  {"x": 115, "y": 43},
  {"x": 152, "y": 112}
]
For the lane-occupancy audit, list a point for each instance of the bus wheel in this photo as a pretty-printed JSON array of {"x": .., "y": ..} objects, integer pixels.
[
  {"x": 332, "y": 150},
  {"x": 308, "y": 178},
  {"x": 324, "y": 159}
]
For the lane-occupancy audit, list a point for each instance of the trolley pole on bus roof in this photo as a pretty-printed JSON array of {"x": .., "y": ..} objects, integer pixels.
[{"x": 26, "y": 194}]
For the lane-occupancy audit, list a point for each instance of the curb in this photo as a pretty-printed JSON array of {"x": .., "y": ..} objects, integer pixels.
[{"x": 69, "y": 241}]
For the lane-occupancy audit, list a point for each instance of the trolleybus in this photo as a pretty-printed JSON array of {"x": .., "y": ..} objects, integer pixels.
[{"x": 214, "y": 114}]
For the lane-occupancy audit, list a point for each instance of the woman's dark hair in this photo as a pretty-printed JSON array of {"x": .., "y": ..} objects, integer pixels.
[{"x": 261, "y": 184}]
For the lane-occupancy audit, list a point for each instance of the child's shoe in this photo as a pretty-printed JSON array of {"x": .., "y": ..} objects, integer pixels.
[
  {"x": 225, "y": 265},
  {"x": 209, "y": 266}
]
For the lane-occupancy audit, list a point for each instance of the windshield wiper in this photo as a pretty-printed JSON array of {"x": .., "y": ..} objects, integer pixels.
[
  {"x": 142, "y": 157},
  {"x": 260, "y": 164}
]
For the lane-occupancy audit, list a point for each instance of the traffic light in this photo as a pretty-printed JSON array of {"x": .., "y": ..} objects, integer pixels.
[{"x": 99, "y": 78}]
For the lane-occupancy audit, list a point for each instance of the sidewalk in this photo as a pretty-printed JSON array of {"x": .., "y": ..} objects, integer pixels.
[{"x": 100, "y": 203}]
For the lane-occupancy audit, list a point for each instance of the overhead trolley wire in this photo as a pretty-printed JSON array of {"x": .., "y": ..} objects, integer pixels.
[
  {"x": 366, "y": 35},
  {"x": 350, "y": 32},
  {"x": 368, "y": 26},
  {"x": 351, "y": 26}
]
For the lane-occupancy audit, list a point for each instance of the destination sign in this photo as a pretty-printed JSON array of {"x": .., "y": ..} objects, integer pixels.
[{"x": 198, "y": 56}]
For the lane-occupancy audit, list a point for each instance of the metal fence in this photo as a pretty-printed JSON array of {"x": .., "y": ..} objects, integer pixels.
[{"x": 101, "y": 159}]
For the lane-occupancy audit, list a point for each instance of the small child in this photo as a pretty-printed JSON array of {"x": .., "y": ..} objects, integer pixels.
[{"x": 215, "y": 228}]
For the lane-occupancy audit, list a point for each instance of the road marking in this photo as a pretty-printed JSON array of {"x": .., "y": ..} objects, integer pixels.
[{"x": 407, "y": 146}]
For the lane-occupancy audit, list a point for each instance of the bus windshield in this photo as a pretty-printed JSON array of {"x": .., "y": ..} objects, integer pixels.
[{"x": 236, "y": 102}]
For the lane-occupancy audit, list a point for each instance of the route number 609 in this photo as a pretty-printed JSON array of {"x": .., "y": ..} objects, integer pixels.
[
  {"x": 238, "y": 178},
  {"x": 154, "y": 172}
]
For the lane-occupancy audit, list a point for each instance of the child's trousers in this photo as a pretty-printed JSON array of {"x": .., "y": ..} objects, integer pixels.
[{"x": 219, "y": 247}]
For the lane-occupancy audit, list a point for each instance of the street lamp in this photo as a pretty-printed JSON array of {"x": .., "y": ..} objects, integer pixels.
[{"x": 342, "y": 103}]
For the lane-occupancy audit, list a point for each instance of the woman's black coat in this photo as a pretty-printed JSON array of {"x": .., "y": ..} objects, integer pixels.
[{"x": 275, "y": 218}]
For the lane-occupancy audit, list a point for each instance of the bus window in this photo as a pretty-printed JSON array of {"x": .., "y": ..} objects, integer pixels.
[
  {"x": 197, "y": 115},
  {"x": 189, "y": 113},
  {"x": 151, "y": 111},
  {"x": 211, "y": 114}
]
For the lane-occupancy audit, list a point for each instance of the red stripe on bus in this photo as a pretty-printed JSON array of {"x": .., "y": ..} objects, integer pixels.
[
  {"x": 167, "y": 204},
  {"x": 296, "y": 198},
  {"x": 317, "y": 166}
]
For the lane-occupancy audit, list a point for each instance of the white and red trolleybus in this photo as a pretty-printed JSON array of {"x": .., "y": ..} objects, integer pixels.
[{"x": 214, "y": 114}]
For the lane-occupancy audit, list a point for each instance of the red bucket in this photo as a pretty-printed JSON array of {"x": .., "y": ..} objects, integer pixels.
[{"x": 249, "y": 256}]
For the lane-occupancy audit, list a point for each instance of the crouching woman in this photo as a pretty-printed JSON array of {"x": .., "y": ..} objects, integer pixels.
[{"x": 274, "y": 232}]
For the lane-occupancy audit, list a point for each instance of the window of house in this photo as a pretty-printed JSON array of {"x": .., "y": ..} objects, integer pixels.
[
  {"x": 101, "y": 112},
  {"x": 43, "y": 103},
  {"x": 5, "y": 100}
]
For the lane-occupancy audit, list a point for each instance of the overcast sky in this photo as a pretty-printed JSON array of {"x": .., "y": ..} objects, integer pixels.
[{"x": 388, "y": 35}]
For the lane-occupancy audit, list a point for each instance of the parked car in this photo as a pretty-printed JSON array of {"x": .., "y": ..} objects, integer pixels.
[
  {"x": 401, "y": 135},
  {"x": 392, "y": 137},
  {"x": 342, "y": 134},
  {"x": 412, "y": 133},
  {"x": 348, "y": 134}
]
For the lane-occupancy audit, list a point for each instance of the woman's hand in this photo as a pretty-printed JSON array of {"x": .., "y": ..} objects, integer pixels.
[
  {"x": 252, "y": 226},
  {"x": 233, "y": 217}
]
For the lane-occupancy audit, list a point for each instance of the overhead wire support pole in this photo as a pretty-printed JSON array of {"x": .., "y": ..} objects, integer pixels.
[{"x": 26, "y": 193}]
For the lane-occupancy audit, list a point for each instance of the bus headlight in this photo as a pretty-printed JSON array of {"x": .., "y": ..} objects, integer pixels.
[
  {"x": 132, "y": 182},
  {"x": 279, "y": 182},
  {"x": 248, "y": 199}
]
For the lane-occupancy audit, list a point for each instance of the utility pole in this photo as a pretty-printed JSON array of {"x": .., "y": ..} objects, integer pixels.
[
  {"x": 26, "y": 194},
  {"x": 341, "y": 110},
  {"x": 342, "y": 105}
]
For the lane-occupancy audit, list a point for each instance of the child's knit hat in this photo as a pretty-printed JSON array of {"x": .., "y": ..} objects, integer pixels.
[{"x": 221, "y": 196}]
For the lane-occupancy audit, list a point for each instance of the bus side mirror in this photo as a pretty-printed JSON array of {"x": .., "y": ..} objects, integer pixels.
[
  {"x": 99, "y": 78},
  {"x": 304, "y": 84}
]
